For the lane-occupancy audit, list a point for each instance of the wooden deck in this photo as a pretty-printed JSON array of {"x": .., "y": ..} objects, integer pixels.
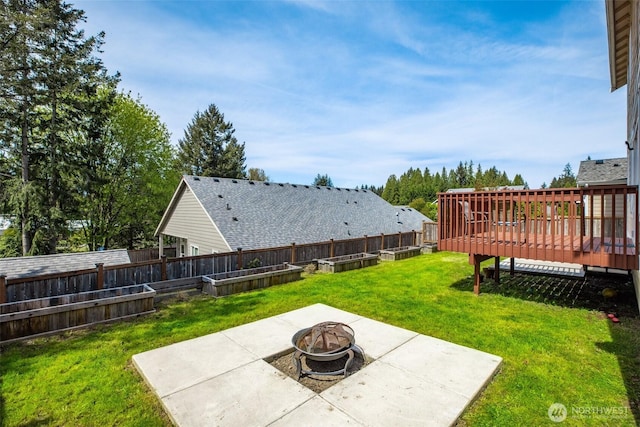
[
  {"x": 594, "y": 251},
  {"x": 588, "y": 226}
]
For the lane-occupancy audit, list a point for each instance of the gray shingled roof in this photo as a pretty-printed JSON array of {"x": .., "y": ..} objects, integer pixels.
[
  {"x": 255, "y": 214},
  {"x": 49, "y": 264},
  {"x": 602, "y": 172}
]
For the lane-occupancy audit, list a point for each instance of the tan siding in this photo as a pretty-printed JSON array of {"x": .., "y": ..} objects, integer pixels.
[
  {"x": 608, "y": 206},
  {"x": 189, "y": 221}
]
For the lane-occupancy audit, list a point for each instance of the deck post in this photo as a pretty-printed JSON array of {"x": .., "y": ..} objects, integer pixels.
[
  {"x": 100, "y": 275},
  {"x": 366, "y": 248},
  {"x": 496, "y": 272},
  {"x": 3, "y": 289},
  {"x": 293, "y": 252},
  {"x": 476, "y": 274},
  {"x": 332, "y": 249},
  {"x": 382, "y": 241},
  {"x": 239, "y": 258},
  {"x": 512, "y": 266}
]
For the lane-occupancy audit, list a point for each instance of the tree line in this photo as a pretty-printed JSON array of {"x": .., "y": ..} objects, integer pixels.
[
  {"x": 419, "y": 188},
  {"x": 83, "y": 164}
]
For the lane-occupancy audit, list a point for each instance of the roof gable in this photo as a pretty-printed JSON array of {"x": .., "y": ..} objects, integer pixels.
[{"x": 256, "y": 214}]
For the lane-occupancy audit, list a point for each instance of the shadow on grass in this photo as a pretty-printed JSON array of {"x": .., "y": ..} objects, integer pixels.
[
  {"x": 564, "y": 291},
  {"x": 585, "y": 293}
]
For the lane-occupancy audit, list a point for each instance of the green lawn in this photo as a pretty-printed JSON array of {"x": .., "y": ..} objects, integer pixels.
[{"x": 552, "y": 353}]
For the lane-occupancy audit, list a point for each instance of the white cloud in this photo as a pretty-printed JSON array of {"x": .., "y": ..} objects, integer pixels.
[{"x": 364, "y": 90}]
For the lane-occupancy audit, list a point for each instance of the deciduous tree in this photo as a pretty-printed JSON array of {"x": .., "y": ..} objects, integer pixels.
[{"x": 128, "y": 179}]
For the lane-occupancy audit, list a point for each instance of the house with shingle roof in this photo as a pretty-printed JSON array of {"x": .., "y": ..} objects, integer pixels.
[
  {"x": 602, "y": 172},
  {"x": 208, "y": 215},
  {"x": 28, "y": 266}
]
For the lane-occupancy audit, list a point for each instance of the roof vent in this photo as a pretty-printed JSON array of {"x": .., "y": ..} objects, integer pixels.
[
  {"x": 266, "y": 183},
  {"x": 252, "y": 183},
  {"x": 347, "y": 189},
  {"x": 318, "y": 187},
  {"x": 294, "y": 186},
  {"x": 599, "y": 162},
  {"x": 306, "y": 186},
  {"x": 337, "y": 189},
  {"x": 328, "y": 188},
  {"x": 402, "y": 209},
  {"x": 281, "y": 185},
  {"x": 356, "y": 190},
  {"x": 196, "y": 178},
  {"x": 235, "y": 218},
  {"x": 346, "y": 223},
  {"x": 216, "y": 180},
  {"x": 220, "y": 196},
  {"x": 364, "y": 191},
  {"x": 615, "y": 165},
  {"x": 234, "y": 181},
  {"x": 228, "y": 207}
]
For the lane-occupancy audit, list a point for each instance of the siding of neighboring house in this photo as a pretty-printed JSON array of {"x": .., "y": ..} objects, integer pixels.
[
  {"x": 190, "y": 223},
  {"x": 608, "y": 206}
]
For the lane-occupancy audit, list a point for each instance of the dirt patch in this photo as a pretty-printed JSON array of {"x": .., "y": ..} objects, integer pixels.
[{"x": 318, "y": 384}]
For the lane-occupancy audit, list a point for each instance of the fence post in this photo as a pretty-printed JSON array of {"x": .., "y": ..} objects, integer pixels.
[
  {"x": 163, "y": 268},
  {"x": 100, "y": 275},
  {"x": 331, "y": 250},
  {"x": 400, "y": 239},
  {"x": 366, "y": 246},
  {"x": 239, "y": 258},
  {"x": 382, "y": 241},
  {"x": 3, "y": 289},
  {"x": 293, "y": 252}
]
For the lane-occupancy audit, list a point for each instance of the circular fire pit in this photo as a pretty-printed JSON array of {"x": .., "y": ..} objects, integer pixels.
[{"x": 324, "y": 342}]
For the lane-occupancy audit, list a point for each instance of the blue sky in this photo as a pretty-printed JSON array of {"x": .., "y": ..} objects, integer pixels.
[{"x": 360, "y": 90}]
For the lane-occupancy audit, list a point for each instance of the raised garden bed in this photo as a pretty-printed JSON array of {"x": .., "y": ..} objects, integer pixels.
[
  {"x": 395, "y": 254},
  {"x": 233, "y": 282},
  {"x": 347, "y": 262},
  {"x": 44, "y": 316}
]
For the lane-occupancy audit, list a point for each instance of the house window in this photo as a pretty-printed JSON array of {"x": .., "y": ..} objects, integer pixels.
[{"x": 194, "y": 250}]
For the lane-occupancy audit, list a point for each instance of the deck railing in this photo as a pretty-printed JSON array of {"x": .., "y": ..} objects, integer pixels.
[{"x": 595, "y": 226}]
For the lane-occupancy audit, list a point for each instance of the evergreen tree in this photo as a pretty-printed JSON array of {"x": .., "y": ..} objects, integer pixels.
[
  {"x": 391, "y": 192},
  {"x": 48, "y": 79},
  {"x": 323, "y": 180},
  {"x": 566, "y": 179},
  {"x": 209, "y": 147}
]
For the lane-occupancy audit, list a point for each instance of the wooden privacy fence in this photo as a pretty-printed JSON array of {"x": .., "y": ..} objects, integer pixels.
[
  {"x": 105, "y": 277},
  {"x": 429, "y": 232}
]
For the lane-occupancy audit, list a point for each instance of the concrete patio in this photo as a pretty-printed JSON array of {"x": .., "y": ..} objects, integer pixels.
[{"x": 222, "y": 380}]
